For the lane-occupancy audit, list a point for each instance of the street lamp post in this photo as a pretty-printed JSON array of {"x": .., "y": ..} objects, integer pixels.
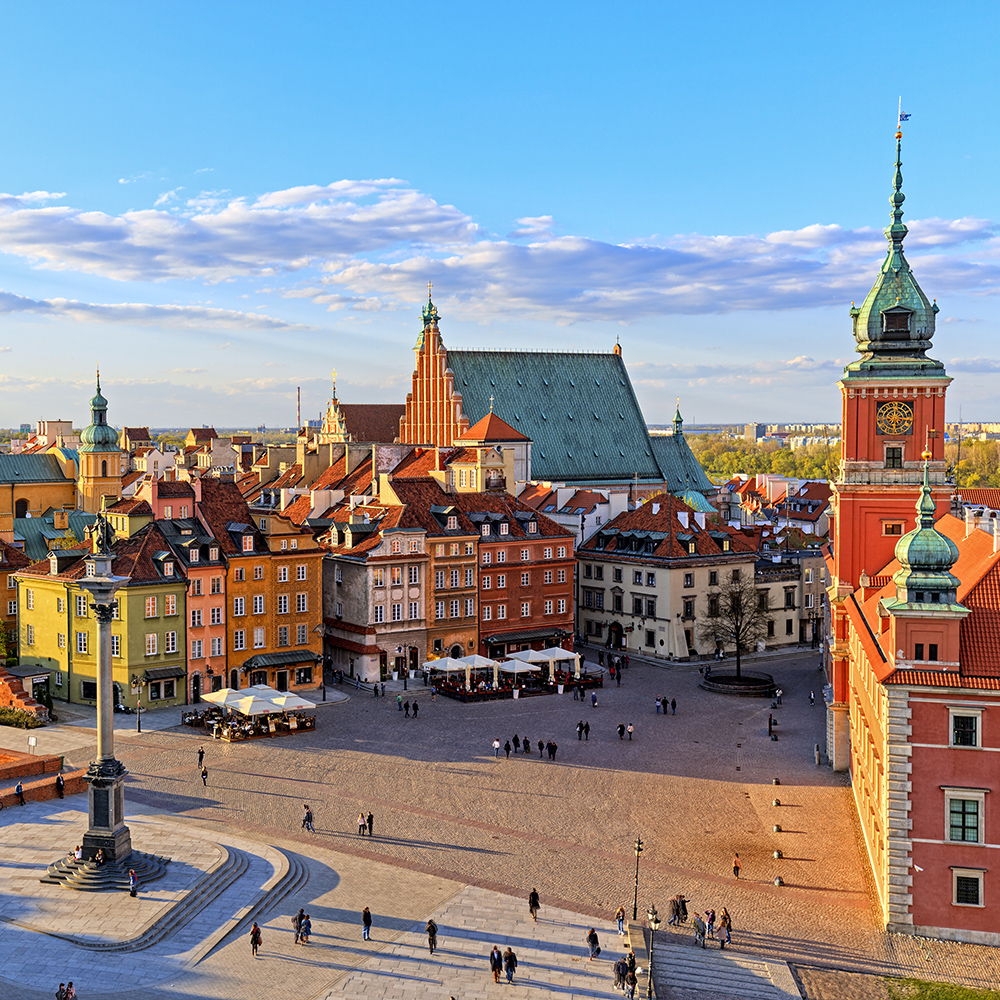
[
  {"x": 106, "y": 775},
  {"x": 635, "y": 898},
  {"x": 137, "y": 683},
  {"x": 654, "y": 922}
]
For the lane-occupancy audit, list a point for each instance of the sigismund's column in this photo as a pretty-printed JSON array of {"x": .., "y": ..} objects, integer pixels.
[{"x": 106, "y": 775}]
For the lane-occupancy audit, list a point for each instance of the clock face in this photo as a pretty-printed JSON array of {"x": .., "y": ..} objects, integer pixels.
[{"x": 894, "y": 418}]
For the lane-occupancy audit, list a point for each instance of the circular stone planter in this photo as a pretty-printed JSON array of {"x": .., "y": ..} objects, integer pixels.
[{"x": 748, "y": 685}]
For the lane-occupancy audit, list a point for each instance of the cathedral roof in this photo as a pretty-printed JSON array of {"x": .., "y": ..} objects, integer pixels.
[
  {"x": 579, "y": 410},
  {"x": 492, "y": 428},
  {"x": 98, "y": 436},
  {"x": 682, "y": 472},
  {"x": 377, "y": 422}
]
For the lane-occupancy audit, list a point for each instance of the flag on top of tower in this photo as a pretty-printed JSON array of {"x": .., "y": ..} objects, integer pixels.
[{"x": 902, "y": 117}]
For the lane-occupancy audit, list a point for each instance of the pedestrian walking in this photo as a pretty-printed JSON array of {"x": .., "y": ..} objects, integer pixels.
[
  {"x": 406, "y": 709},
  {"x": 533, "y": 904},
  {"x": 630, "y": 960},
  {"x": 630, "y": 732},
  {"x": 496, "y": 747},
  {"x": 631, "y": 980},
  {"x": 541, "y": 747},
  {"x": 432, "y": 935},
  {"x": 593, "y": 699},
  {"x": 307, "y": 818},
  {"x": 297, "y": 924},
  {"x": 70, "y": 993},
  {"x": 61, "y": 992},
  {"x": 576, "y": 693},
  {"x": 593, "y": 944},
  {"x": 673, "y": 706},
  {"x": 517, "y": 743},
  {"x": 383, "y": 688},
  {"x": 133, "y": 883},
  {"x": 725, "y": 925},
  {"x": 621, "y": 971},
  {"x": 255, "y": 938},
  {"x": 699, "y": 930},
  {"x": 370, "y": 823},
  {"x": 399, "y": 702},
  {"x": 305, "y": 930},
  {"x": 618, "y": 679},
  {"x": 586, "y": 732},
  {"x": 415, "y": 708},
  {"x": 777, "y": 694},
  {"x": 657, "y": 705},
  {"x": 366, "y": 924},
  {"x": 710, "y": 922},
  {"x": 682, "y": 903},
  {"x": 620, "y": 920},
  {"x": 506, "y": 748},
  {"x": 736, "y": 866},
  {"x": 374, "y": 690},
  {"x": 19, "y": 792},
  {"x": 812, "y": 698},
  {"x": 526, "y": 743},
  {"x": 621, "y": 730},
  {"x": 201, "y": 756},
  {"x": 204, "y": 775},
  {"x": 362, "y": 823},
  {"x": 600, "y": 657},
  {"x": 626, "y": 661},
  {"x": 579, "y": 730},
  {"x": 496, "y": 963},
  {"x": 509, "y": 964},
  {"x": 60, "y": 785},
  {"x": 675, "y": 912},
  {"x": 357, "y": 683}
]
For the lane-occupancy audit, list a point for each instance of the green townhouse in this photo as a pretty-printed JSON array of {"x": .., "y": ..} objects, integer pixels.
[{"x": 58, "y": 630}]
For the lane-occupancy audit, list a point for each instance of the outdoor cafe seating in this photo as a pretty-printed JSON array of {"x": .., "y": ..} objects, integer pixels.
[{"x": 254, "y": 713}]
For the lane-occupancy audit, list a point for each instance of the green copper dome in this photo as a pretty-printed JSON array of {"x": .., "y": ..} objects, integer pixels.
[
  {"x": 895, "y": 324},
  {"x": 99, "y": 436},
  {"x": 926, "y": 557}
]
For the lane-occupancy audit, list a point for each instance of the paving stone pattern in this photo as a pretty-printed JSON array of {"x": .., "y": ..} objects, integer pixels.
[{"x": 696, "y": 786}]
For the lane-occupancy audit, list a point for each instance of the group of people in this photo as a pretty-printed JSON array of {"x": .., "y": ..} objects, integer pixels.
[
  {"x": 405, "y": 706},
  {"x": 505, "y": 962},
  {"x": 303, "y": 927},
  {"x": 517, "y": 745},
  {"x": 704, "y": 924},
  {"x": 366, "y": 824},
  {"x": 625, "y": 975},
  {"x": 66, "y": 991},
  {"x": 662, "y": 705}
]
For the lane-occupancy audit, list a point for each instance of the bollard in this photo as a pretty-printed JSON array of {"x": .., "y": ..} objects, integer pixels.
[
  {"x": 776, "y": 828},
  {"x": 777, "y": 854},
  {"x": 775, "y": 802},
  {"x": 816, "y": 751},
  {"x": 775, "y": 781},
  {"x": 778, "y": 880}
]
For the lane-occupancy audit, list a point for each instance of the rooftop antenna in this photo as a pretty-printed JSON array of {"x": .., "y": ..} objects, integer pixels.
[{"x": 298, "y": 407}]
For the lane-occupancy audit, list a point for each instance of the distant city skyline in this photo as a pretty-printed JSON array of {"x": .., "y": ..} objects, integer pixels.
[{"x": 218, "y": 211}]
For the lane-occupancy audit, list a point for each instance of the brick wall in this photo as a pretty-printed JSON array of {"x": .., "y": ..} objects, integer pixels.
[{"x": 45, "y": 788}]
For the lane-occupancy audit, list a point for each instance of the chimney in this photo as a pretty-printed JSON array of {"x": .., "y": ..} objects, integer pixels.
[
  {"x": 682, "y": 516},
  {"x": 996, "y": 534},
  {"x": 970, "y": 521},
  {"x": 656, "y": 508}
]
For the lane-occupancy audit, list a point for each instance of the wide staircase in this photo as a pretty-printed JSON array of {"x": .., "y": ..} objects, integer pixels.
[{"x": 739, "y": 977}]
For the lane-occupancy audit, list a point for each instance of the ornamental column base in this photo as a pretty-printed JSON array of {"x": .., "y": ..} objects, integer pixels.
[{"x": 106, "y": 812}]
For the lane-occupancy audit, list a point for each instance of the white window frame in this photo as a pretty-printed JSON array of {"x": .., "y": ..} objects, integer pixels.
[
  {"x": 239, "y": 639},
  {"x": 977, "y": 795},
  {"x": 439, "y": 610},
  {"x": 282, "y": 604},
  {"x": 487, "y": 613},
  {"x": 501, "y": 611},
  {"x": 217, "y": 646},
  {"x": 414, "y": 610},
  {"x": 301, "y": 635},
  {"x": 258, "y": 637},
  {"x": 283, "y": 574},
  {"x": 152, "y": 643},
  {"x": 962, "y": 710},
  {"x": 300, "y": 572},
  {"x": 414, "y": 575},
  {"x": 976, "y": 873},
  {"x": 378, "y": 614},
  {"x": 301, "y": 603}
]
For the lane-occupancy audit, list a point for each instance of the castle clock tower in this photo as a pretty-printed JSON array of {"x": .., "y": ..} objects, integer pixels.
[{"x": 893, "y": 411}]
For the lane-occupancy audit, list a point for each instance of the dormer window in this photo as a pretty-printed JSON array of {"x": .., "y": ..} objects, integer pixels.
[
  {"x": 896, "y": 324},
  {"x": 485, "y": 530},
  {"x": 452, "y": 522},
  {"x": 168, "y": 569},
  {"x": 213, "y": 554},
  {"x": 504, "y": 528},
  {"x": 195, "y": 555},
  {"x": 248, "y": 543},
  {"x": 532, "y": 527}
]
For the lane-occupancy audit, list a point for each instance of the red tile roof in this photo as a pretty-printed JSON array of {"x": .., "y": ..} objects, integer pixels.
[
  {"x": 377, "y": 422},
  {"x": 12, "y": 558},
  {"x": 222, "y": 504},
  {"x": 203, "y": 433},
  {"x": 290, "y": 477},
  {"x": 492, "y": 428},
  {"x": 980, "y": 497},
  {"x": 133, "y": 507},
  {"x": 175, "y": 488}
]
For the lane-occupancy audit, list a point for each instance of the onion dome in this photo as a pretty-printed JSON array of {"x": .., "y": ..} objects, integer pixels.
[
  {"x": 926, "y": 557},
  {"x": 99, "y": 436}
]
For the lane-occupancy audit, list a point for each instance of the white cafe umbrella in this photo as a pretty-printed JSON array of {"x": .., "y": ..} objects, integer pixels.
[
  {"x": 477, "y": 662},
  {"x": 287, "y": 701},
  {"x": 556, "y": 653},
  {"x": 254, "y": 706},
  {"x": 218, "y": 697},
  {"x": 447, "y": 663},
  {"x": 530, "y": 656},
  {"x": 518, "y": 667}
]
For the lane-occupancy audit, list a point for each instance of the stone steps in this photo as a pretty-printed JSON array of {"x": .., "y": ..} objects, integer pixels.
[
  {"x": 725, "y": 972},
  {"x": 284, "y": 882},
  {"x": 85, "y": 876}
]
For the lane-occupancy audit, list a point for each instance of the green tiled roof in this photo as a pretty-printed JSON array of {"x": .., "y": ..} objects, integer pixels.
[
  {"x": 30, "y": 469},
  {"x": 682, "y": 472},
  {"x": 578, "y": 409},
  {"x": 35, "y": 531}
]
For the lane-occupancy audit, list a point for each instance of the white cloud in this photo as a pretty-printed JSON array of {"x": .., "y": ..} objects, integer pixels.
[
  {"x": 188, "y": 371},
  {"x": 167, "y": 197},
  {"x": 141, "y": 313},
  {"x": 6, "y": 350},
  {"x": 135, "y": 177},
  {"x": 533, "y": 226}
]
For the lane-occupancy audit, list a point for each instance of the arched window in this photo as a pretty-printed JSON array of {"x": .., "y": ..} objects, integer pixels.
[
  {"x": 21, "y": 508},
  {"x": 104, "y": 470}
]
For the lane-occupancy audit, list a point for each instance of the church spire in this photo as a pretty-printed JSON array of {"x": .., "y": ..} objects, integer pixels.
[
  {"x": 430, "y": 316},
  {"x": 895, "y": 324},
  {"x": 678, "y": 419}
]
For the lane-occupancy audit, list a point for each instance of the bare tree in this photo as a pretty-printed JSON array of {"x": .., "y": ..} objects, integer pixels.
[{"x": 738, "y": 614}]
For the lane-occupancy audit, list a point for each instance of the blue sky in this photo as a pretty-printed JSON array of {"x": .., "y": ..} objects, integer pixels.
[{"x": 222, "y": 202}]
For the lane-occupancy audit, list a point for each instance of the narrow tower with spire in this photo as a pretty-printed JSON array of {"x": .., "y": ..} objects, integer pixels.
[
  {"x": 893, "y": 399},
  {"x": 100, "y": 466}
]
